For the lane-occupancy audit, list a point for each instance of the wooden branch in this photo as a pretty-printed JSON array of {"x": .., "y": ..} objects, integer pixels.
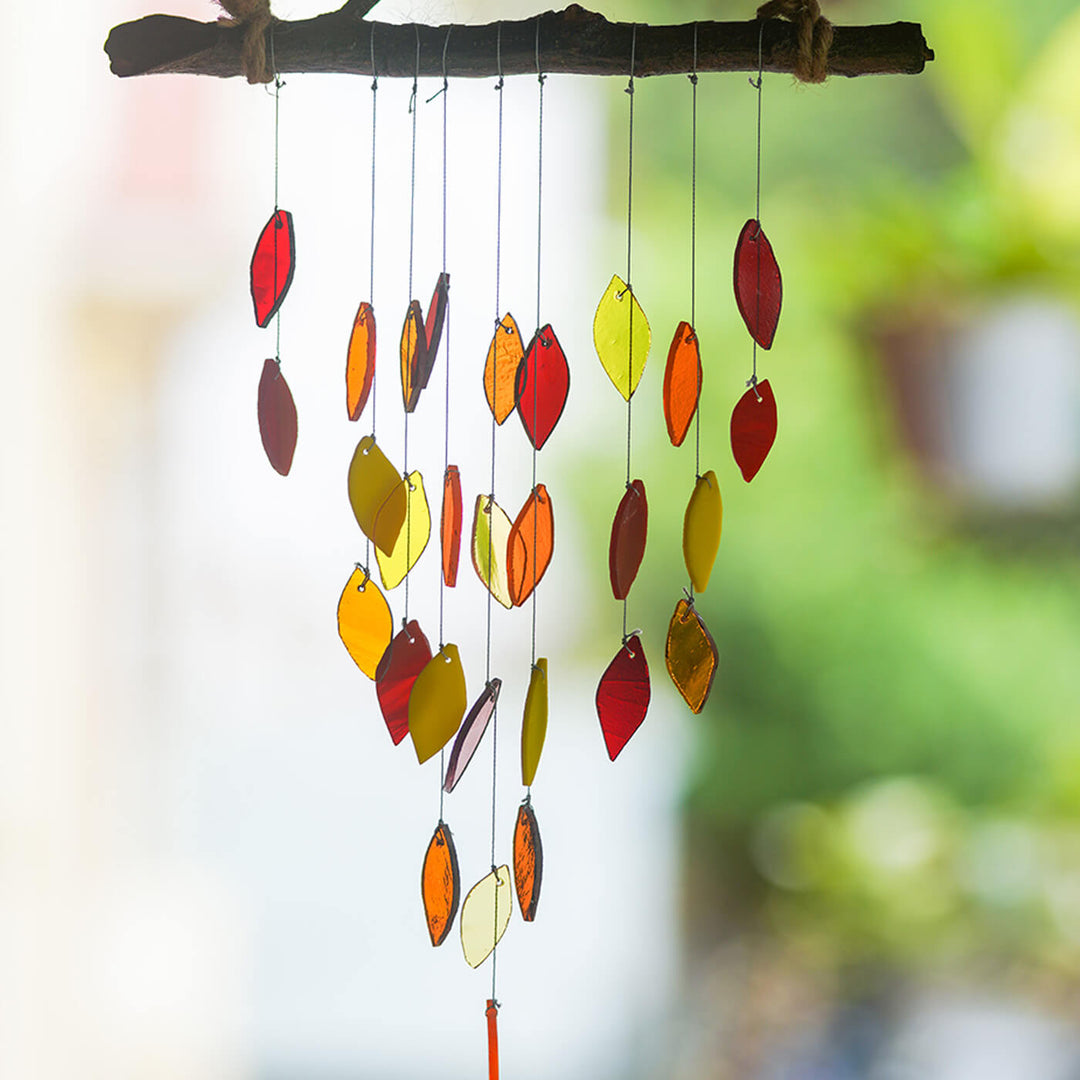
[{"x": 574, "y": 41}]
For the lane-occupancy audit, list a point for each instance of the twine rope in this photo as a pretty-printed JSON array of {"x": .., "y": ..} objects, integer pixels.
[
  {"x": 814, "y": 35},
  {"x": 254, "y": 18}
]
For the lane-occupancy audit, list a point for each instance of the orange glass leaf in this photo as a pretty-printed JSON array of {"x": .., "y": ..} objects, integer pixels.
[
  {"x": 531, "y": 544},
  {"x": 691, "y": 656},
  {"x": 471, "y": 734},
  {"x": 528, "y": 861},
  {"x": 758, "y": 290},
  {"x": 492, "y": 1013},
  {"x": 433, "y": 324},
  {"x": 450, "y": 525},
  {"x": 440, "y": 884},
  {"x": 405, "y": 657},
  {"x": 622, "y": 698},
  {"x": 490, "y": 540},
  {"x": 360, "y": 363},
  {"x": 629, "y": 531},
  {"x": 414, "y": 361},
  {"x": 376, "y": 495},
  {"x": 413, "y": 535},
  {"x": 542, "y": 385},
  {"x": 272, "y": 265},
  {"x": 682, "y": 382},
  {"x": 753, "y": 429},
  {"x": 365, "y": 625},
  {"x": 504, "y": 357},
  {"x": 277, "y": 417}
]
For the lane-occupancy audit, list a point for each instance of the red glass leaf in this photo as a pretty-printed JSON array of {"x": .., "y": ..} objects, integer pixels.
[
  {"x": 628, "y": 534},
  {"x": 277, "y": 417},
  {"x": 753, "y": 429},
  {"x": 757, "y": 283},
  {"x": 440, "y": 884},
  {"x": 471, "y": 733},
  {"x": 543, "y": 381},
  {"x": 360, "y": 363},
  {"x": 415, "y": 367},
  {"x": 682, "y": 382},
  {"x": 433, "y": 324},
  {"x": 450, "y": 526},
  {"x": 272, "y": 265},
  {"x": 622, "y": 698},
  {"x": 531, "y": 545},
  {"x": 404, "y": 659},
  {"x": 528, "y": 861}
]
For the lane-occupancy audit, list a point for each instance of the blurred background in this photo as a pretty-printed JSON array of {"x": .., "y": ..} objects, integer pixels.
[{"x": 862, "y": 860}]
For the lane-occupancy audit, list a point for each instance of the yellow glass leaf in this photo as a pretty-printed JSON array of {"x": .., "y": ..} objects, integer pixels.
[
  {"x": 437, "y": 703},
  {"x": 485, "y": 915},
  {"x": 534, "y": 723},
  {"x": 490, "y": 541},
  {"x": 504, "y": 357},
  {"x": 364, "y": 622},
  {"x": 622, "y": 336},
  {"x": 412, "y": 536},
  {"x": 701, "y": 530},
  {"x": 375, "y": 491}
]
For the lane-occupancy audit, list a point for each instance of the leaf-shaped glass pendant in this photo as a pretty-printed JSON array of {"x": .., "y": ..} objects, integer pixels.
[
  {"x": 414, "y": 361},
  {"x": 622, "y": 698},
  {"x": 404, "y": 659},
  {"x": 376, "y": 494},
  {"x": 629, "y": 532},
  {"x": 757, "y": 283},
  {"x": 437, "y": 703},
  {"x": 504, "y": 357},
  {"x": 413, "y": 535},
  {"x": 490, "y": 540},
  {"x": 753, "y": 429},
  {"x": 433, "y": 324},
  {"x": 622, "y": 336},
  {"x": 531, "y": 544},
  {"x": 471, "y": 734},
  {"x": 450, "y": 525},
  {"x": 492, "y": 1014},
  {"x": 691, "y": 656},
  {"x": 702, "y": 523},
  {"x": 534, "y": 721},
  {"x": 277, "y": 417},
  {"x": 528, "y": 861},
  {"x": 682, "y": 382},
  {"x": 360, "y": 362},
  {"x": 272, "y": 265},
  {"x": 542, "y": 385},
  {"x": 364, "y": 622},
  {"x": 485, "y": 915},
  {"x": 440, "y": 884}
]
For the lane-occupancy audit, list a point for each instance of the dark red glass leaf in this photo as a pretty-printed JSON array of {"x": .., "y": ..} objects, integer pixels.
[
  {"x": 757, "y": 283},
  {"x": 622, "y": 698},
  {"x": 415, "y": 366},
  {"x": 753, "y": 429},
  {"x": 543, "y": 381},
  {"x": 272, "y": 265},
  {"x": 471, "y": 733},
  {"x": 628, "y": 534},
  {"x": 436, "y": 315},
  {"x": 528, "y": 861},
  {"x": 450, "y": 525},
  {"x": 277, "y": 417},
  {"x": 404, "y": 659}
]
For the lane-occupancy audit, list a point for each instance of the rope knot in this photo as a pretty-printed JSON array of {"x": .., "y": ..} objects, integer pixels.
[
  {"x": 254, "y": 18},
  {"x": 814, "y": 35}
]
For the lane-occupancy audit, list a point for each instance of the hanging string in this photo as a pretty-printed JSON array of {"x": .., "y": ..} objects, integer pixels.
[
  {"x": 371, "y": 262},
  {"x": 693, "y": 258},
  {"x": 752, "y": 381},
  {"x": 412, "y": 236},
  {"x": 629, "y": 287},
  {"x": 540, "y": 78},
  {"x": 277, "y": 127}
]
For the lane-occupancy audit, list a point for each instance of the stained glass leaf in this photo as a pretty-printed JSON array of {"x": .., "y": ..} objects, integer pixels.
[
  {"x": 528, "y": 861},
  {"x": 433, "y": 324},
  {"x": 758, "y": 291},
  {"x": 437, "y": 703},
  {"x": 490, "y": 539},
  {"x": 365, "y": 624},
  {"x": 753, "y": 429},
  {"x": 485, "y": 915},
  {"x": 414, "y": 362},
  {"x": 440, "y": 884},
  {"x": 413, "y": 535},
  {"x": 450, "y": 525},
  {"x": 531, "y": 545},
  {"x": 682, "y": 382},
  {"x": 277, "y": 417},
  {"x": 629, "y": 531},
  {"x": 534, "y": 721},
  {"x": 622, "y": 336},
  {"x": 691, "y": 656},
  {"x": 376, "y": 492},
  {"x": 360, "y": 363},
  {"x": 492, "y": 1014},
  {"x": 272, "y": 265},
  {"x": 622, "y": 698},
  {"x": 541, "y": 386},
  {"x": 702, "y": 523},
  {"x": 504, "y": 357},
  {"x": 404, "y": 659},
  {"x": 471, "y": 734}
]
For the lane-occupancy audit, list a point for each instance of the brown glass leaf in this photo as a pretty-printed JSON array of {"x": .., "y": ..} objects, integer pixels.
[
  {"x": 691, "y": 656},
  {"x": 528, "y": 861},
  {"x": 531, "y": 544},
  {"x": 682, "y": 382},
  {"x": 504, "y": 357},
  {"x": 433, "y": 324},
  {"x": 629, "y": 531},
  {"x": 414, "y": 363},
  {"x": 360, "y": 364},
  {"x": 450, "y": 525},
  {"x": 440, "y": 884},
  {"x": 277, "y": 417}
]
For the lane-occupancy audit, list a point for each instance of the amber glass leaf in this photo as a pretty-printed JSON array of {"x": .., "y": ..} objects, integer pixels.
[
  {"x": 376, "y": 492},
  {"x": 404, "y": 659},
  {"x": 753, "y": 429},
  {"x": 528, "y": 861},
  {"x": 485, "y": 915},
  {"x": 691, "y": 656},
  {"x": 440, "y": 884},
  {"x": 702, "y": 524},
  {"x": 360, "y": 363},
  {"x": 490, "y": 540},
  {"x": 414, "y": 534},
  {"x": 492, "y": 1013},
  {"x": 450, "y": 525},
  {"x": 622, "y": 336},
  {"x": 531, "y": 544},
  {"x": 534, "y": 721},
  {"x": 682, "y": 382},
  {"x": 757, "y": 283},
  {"x": 541, "y": 387},
  {"x": 414, "y": 363},
  {"x": 622, "y": 698},
  {"x": 272, "y": 265},
  {"x": 364, "y": 623},
  {"x": 504, "y": 357},
  {"x": 629, "y": 531},
  {"x": 437, "y": 703},
  {"x": 277, "y": 417},
  {"x": 471, "y": 734},
  {"x": 433, "y": 324}
]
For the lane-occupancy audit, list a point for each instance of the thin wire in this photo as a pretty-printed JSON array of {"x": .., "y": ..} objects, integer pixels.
[
  {"x": 371, "y": 281},
  {"x": 693, "y": 244},
  {"x": 629, "y": 287},
  {"x": 277, "y": 223},
  {"x": 757, "y": 205}
]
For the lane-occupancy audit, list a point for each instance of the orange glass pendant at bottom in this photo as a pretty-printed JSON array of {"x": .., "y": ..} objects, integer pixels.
[
  {"x": 622, "y": 698},
  {"x": 440, "y": 884},
  {"x": 493, "y": 1039},
  {"x": 691, "y": 656},
  {"x": 528, "y": 861},
  {"x": 277, "y": 417}
]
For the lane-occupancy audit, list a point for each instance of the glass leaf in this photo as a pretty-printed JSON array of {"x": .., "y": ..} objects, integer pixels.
[
  {"x": 364, "y": 622},
  {"x": 437, "y": 703},
  {"x": 622, "y": 698},
  {"x": 702, "y": 523},
  {"x": 433, "y": 324},
  {"x": 490, "y": 539},
  {"x": 440, "y": 884},
  {"x": 404, "y": 659},
  {"x": 528, "y": 861},
  {"x": 485, "y": 915},
  {"x": 541, "y": 386},
  {"x": 414, "y": 362},
  {"x": 753, "y": 429},
  {"x": 534, "y": 721},
  {"x": 622, "y": 336},
  {"x": 492, "y": 1014},
  {"x": 376, "y": 492},
  {"x": 531, "y": 545},
  {"x": 691, "y": 656},
  {"x": 272, "y": 265},
  {"x": 471, "y": 734},
  {"x": 413, "y": 535},
  {"x": 277, "y": 417},
  {"x": 682, "y": 382},
  {"x": 450, "y": 525},
  {"x": 504, "y": 357},
  {"x": 629, "y": 532},
  {"x": 360, "y": 363},
  {"x": 757, "y": 283}
]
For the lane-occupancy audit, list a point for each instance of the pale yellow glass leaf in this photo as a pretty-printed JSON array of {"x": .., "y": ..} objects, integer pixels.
[
  {"x": 701, "y": 530},
  {"x": 534, "y": 722},
  {"x": 414, "y": 533},
  {"x": 437, "y": 703},
  {"x": 622, "y": 336},
  {"x": 485, "y": 915},
  {"x": 375, "y": 491},
  {"x": 365, "y": 624},
  {"x": 490, "y": 543}
]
